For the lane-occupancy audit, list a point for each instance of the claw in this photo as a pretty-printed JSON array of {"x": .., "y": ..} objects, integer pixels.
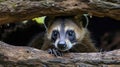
[
  {"x": 49, "y": 51},
  {"x": 55, "y": 52}
]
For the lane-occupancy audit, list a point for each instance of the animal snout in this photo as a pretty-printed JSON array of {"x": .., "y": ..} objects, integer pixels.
[{"x": 62, "y": 45}]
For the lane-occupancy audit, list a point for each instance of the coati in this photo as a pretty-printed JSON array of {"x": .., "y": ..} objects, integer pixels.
[{"x": 67, "y": 34}]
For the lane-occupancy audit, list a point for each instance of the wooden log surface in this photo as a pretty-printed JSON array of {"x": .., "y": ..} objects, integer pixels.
[
  {"x": 27, "y": 56},
  {"x": 19, "y": 10}
]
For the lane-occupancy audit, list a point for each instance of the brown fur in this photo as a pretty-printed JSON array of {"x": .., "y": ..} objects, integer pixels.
[
  {"x": 83, "y": 37},
  {"x": 85, "y": 45}
]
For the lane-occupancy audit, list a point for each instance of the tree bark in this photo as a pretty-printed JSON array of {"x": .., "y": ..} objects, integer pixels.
[
  {"x": 19, "y": 10},
  {"x": 27, "y": 56}
]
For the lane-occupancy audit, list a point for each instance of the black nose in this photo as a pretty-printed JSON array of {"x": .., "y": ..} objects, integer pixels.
[{"x": 62, "y": 45}]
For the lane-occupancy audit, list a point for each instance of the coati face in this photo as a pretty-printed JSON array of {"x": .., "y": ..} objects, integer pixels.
[{"x": 64, "y": 33}]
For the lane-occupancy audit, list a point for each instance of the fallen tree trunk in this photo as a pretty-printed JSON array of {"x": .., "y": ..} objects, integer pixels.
[
  {"x": 27, "y": 56},
  {"x": 19, "y": 10}
]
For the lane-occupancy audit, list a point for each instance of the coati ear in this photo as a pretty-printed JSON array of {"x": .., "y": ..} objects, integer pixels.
[
  {"x": 82, "y": 20},
  {"x": 48, "y": 21}
]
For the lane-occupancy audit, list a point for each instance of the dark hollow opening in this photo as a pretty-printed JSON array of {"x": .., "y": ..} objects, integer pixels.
[{"x": 105, "y": 33}]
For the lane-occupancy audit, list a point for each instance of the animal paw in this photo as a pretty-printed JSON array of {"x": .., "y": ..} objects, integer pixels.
[{"x": 55, "y": 52}]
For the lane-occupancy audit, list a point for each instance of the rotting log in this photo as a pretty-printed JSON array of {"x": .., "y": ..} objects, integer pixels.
[
  {"x": 19, "y": 10},
  {"x": 27, "y": 56}
]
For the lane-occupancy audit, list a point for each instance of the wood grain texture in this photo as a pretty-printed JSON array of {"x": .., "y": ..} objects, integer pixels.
[
  {"x": 27, "y": 56},
  {"x": 19, "y": 10}
]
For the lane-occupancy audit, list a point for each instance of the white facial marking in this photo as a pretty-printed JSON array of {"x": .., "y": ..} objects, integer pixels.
[
  {"x": 69, "y": 44},
  {"x": 57, "y": 27},
  {"x": 56, "y": 42}
]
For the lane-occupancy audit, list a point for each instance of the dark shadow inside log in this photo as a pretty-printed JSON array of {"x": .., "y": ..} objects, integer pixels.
[
  {"x": 31, "y": 33},
  {"x": 21, "y": 55}
]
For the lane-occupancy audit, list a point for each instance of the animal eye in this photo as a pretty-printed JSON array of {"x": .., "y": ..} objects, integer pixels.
[
  {"x": 71, "y": 35},
  {"x": 55, "y": 34},
  {"x": 70, "y": 32}
]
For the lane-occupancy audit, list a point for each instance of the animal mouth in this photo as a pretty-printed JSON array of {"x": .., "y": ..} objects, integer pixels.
[{"x": 62, "y": 49}]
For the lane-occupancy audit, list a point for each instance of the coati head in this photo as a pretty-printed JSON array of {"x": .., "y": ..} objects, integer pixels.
[{"x": 65, "y": 31}]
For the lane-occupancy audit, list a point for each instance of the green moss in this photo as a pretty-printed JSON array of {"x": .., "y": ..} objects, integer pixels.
[
  {"x": 39, "y": 20},
  {"x": 2, "y": 0}
]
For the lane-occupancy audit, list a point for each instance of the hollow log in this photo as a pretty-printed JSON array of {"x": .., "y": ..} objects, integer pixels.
[
  {"x": 19, "y": 10},
  {"x": 28, "y": 56}
]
